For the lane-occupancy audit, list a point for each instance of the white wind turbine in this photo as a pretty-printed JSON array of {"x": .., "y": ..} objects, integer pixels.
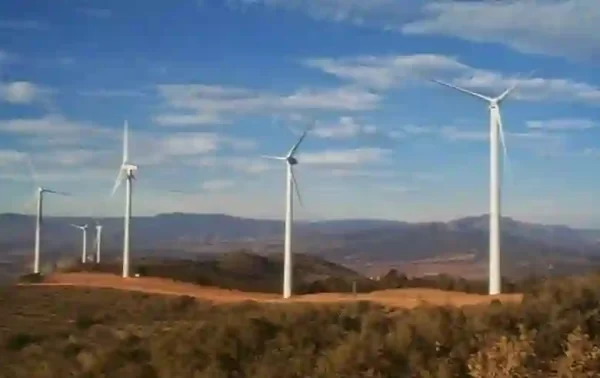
[
  {"x": 126, "y": 172},
  {"x": 496, "y": 135},
  {"x": 83, "y": 228},
  {"x": 98, "y": 241},
  {"x": 292, "y": 185},
  {"x": 39, "y": 215}
]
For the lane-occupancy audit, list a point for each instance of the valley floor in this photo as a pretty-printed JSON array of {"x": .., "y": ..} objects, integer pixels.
[{"x": 398, "y": 298}]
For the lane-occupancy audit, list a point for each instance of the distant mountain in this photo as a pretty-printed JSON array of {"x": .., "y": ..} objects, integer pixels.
[{"x": 356, "y": 241}]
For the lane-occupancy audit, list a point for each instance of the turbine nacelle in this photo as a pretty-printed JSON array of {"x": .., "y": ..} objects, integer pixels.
[{"x": 291, "y": 160}]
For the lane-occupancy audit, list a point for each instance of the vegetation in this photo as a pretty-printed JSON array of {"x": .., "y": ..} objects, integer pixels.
[
  {"x": 250, "y": 272},
  {"x": 60, "y": 332}
]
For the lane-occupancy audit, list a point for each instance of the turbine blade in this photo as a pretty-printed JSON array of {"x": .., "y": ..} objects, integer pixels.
[
  {"x": 505, "y": 161},
  {"x": 512, "y": 87},
  {"x": 460, "y": 89},
  {"x": 125, "y": 142},
  {"x": 273, "y": 157},
  {"x": 120, "y": 177},
  {"x": 295, "y": 146},
  {"x": 74, "y": 225},
  {"x": 57, "y": 192},
  {"x": 296, "y": 188}
]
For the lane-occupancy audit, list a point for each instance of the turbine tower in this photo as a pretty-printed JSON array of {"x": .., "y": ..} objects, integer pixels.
[
  {"x": 98, "y": 241},
  {"x": 496, "y": 135},
  {"x": 39, "y": 194},
  {"x": 291, "y": 186},
  {"x": 84, "y": 245},
  {"x": 126, "y": 172}
]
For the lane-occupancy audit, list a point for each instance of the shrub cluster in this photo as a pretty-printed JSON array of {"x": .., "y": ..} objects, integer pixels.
[{"x": 61, "y": 332}]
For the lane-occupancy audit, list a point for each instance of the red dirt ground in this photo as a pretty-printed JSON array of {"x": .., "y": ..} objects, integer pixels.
[{"x": 398, "y": 298}]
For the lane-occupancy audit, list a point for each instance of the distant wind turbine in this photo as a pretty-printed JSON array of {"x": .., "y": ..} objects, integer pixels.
[
  {"x": 126, "y": 172},
  {"x": 83, "y": 228},
  {"x": 292, "y": 185},
  {"x": 39, "y": 215},
  {"x": 98, "y": 241},
  {"x": 496, "y": 134}
]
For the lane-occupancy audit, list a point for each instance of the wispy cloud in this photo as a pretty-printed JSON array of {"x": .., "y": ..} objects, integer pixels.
[
  {"x": 199, "y": 103},
  {"x": 50, "y": 124},
  {"x": 243, "y": 164},
  {"x": 341, "y": 157},
  {"x": 199, "y": 143},
  {"x": 384, "y": 72},
  {"x": 23, "y": 25},
  {"x": 188, "y": 119},
  {"x": 558, "y": 27},
  {"x": 10, "y": 156},
  {"x": 562, "y": 124},
  {"x": 21, "y": 92},
  {"x": 379, "y": 13},
  {"x": 113, "y": 93},
  {"x": 345, "y": 127},
  {"x": 218, "y": 184}
]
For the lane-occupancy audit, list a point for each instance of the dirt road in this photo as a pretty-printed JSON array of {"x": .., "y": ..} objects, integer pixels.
[{"x": 398, "y": 298}]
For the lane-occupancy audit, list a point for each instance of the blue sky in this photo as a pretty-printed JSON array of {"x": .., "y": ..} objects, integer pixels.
[{"x": 208, "y": 86}]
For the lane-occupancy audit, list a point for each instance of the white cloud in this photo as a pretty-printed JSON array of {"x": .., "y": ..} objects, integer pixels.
[
  {"x": 10, "y": 156},
  {"x": 453, "y": 133},
  {"x": 49, "y": 124},
  {"x": 19, "y": 92},
  {"x": 249, "y": 165},
  {"x": 72, "y": 157},
  {"x": 22, "y": 25},
  {"x": 531, "y": 89},
  {"x": 201, "y": 101},
  {"x": 217, "y": 184},
  {"x": 357, "y": 156},
  {"x": 537, "y": 141},
  {"x": 105, "y": 92},
  {"x": 345, "y": 127},
  {"x": 362, "y": 173},
  {"x": 563, "y": 124},
  {"x": 558, "y": 27},
  {"x": 188, "y": 119},
  {"x": 385, "y": 13},
  {"x": 385, "y": 72},
  {"x": 198, "y": 143}
]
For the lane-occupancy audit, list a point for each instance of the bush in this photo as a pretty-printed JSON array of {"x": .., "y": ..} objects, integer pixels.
[{"x": 32, "y": 278}]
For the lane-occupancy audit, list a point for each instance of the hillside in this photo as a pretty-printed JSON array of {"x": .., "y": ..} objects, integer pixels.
[
  {"x": 70, "y": 331},
  {"x": 235, "y": 270}
]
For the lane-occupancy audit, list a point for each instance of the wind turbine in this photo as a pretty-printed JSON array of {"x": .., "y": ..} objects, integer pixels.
[
  {"x": 84, "y": 246},
  {"x": 39, "y": 215},
  {"x": 496, "y": 132},
  {"x": 126, "y": 172},
  {"x": 97, "y": 241},
  {"x": 291, "y": 186}
]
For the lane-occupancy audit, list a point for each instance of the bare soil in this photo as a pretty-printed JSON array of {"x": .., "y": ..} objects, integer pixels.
[{"x": 397, "y": 298}]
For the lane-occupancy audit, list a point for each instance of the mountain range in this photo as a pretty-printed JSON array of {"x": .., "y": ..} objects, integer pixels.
[{"x": 359, "y": 243}]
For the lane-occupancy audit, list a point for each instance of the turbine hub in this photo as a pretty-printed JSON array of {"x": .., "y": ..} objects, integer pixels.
[{"x": 292, "y": 160}]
